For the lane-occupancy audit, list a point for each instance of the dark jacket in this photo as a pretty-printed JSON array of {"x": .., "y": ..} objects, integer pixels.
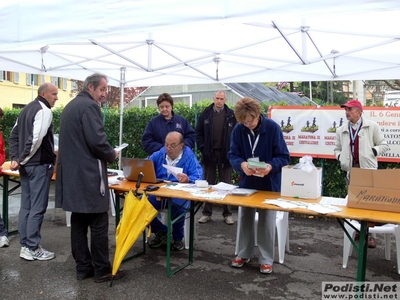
[
  {"x": 32, "y": 137},
  {"x": 271, "y": 148},
  {"x": 153, "y": 138},
  {"x": 82, "y": 183},
  {"x": 204, "y": 134}
]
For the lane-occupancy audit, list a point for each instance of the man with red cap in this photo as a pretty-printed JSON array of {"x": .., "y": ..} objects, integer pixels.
[{"x": 358, "y": 143}]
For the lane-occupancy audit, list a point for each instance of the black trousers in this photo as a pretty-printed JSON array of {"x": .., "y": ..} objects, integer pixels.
[
  {"x": 224, "y": 174},
  {"x": 97, "y": 256}
]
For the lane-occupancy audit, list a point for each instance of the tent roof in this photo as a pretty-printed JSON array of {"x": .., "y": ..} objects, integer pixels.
[
  {"x": 264, "y": 93},
  {"x": 163, "y": 42}
]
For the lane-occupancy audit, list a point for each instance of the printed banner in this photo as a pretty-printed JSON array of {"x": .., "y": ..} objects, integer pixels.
[{"x": 312, "y": 130}]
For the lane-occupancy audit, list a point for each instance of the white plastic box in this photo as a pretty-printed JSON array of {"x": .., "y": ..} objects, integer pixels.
[{"x": 298, "y": 183}]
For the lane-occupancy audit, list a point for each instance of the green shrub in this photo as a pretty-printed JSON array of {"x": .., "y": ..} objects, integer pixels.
[{"x": 134, "y": 123}]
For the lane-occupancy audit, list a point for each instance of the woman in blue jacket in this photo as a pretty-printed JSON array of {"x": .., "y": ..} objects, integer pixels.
[
  {"x": 258, "y": 138},
  {"x": 156, "y": 130}
]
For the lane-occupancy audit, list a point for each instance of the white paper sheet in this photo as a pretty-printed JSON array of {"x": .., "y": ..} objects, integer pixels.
[
  {"x": 217, "y": 195},
  {"x": 222, "y": 186},
  {"x": 113, "y": 180},
  {"x": 120, "y": 147},
  {"x": 281, "y": 203},
  {"x": 317, "y": 207},
  {"x": 333, "y": 201},
  {"x": 173, "y": 170}
]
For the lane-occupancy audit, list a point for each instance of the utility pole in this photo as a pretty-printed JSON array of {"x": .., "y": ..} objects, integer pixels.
[{"x": 329, "y": 92}]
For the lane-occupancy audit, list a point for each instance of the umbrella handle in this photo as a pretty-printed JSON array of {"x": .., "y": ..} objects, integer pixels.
[{"x": 140, "y": 176}]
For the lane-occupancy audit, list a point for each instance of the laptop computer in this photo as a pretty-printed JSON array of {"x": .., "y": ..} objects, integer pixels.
[{"x": 133, "y": 166}]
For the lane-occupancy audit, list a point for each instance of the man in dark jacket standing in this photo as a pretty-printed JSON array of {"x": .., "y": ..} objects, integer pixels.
[
  {"x": 32, "y": 153},
  {"x": 82, "y": 184},
  {"x": 213, "y": 137}
]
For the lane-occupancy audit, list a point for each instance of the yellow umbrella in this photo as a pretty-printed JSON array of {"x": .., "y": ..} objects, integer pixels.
[{"x": 137, "y": 214}]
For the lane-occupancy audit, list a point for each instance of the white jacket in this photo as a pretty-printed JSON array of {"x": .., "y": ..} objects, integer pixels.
[{"x": 369, "y": 136}]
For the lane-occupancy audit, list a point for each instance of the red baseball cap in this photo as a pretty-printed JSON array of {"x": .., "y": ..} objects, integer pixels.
[{"x": 353, "y": 103}]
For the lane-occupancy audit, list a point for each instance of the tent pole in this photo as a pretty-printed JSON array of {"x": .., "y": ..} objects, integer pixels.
[{"x": 121, "y": 112}]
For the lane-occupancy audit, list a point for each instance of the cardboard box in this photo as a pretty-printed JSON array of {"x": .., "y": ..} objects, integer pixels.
[
  {"x": 374, "y": 189},
  {"x": 298, "y": 183}
]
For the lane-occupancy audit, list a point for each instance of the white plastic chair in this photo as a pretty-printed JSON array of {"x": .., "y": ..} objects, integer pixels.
[
  {"x": 186, "y": 228},
  {"x": 282, "y": 230},
  {"x": 386, "y": 229}
]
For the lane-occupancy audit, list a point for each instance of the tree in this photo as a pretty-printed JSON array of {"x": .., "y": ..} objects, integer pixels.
[
  {"x": 322, "y": 91},
  {"x": 377, "y": 88}
]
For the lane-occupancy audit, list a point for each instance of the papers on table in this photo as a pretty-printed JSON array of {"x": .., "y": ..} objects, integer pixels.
[
  {"x": 222, "y": 186},
  {"x": 196, "y": 191},
  {"x": 323, "y": 208},
  {"x": 282, "y": 203},
  {"x": 242, "y": 192},
  {"x": 173, "y": 170},
  {"x": 317, "y": 207},
  {"x": 113, "y": 180},
  {"x": 233, "y": 189},
  {"x": 212, "y": 195},
  {"x": 333, "y": 201}
]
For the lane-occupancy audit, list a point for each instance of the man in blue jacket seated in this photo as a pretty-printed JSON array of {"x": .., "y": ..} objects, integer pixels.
[{"x": 175, "y": 154}]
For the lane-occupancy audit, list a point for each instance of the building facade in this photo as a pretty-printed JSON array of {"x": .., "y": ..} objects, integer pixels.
[{"x": 18, "y": 89}]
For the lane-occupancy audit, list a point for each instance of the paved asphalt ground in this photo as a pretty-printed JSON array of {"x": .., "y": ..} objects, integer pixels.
[{"x": 315, "y": 256}]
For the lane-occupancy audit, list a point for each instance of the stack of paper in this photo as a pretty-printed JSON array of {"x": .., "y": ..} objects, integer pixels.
[
  {"x": 242, "y": 192},
  {"x": 222, "y": 186},
  {"x": 253, "y": 164},
  {"x": 256, "y": 164}
]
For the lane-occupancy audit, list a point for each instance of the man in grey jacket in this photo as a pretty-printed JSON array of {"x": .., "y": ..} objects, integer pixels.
[
  {"x": 358, "y": 143},
  {"x": 82, "y": 184},
  {"x": 32, "y": 153}
]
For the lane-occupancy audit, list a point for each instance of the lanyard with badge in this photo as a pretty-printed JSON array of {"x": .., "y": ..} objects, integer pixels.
[
  {"x": 253, "y": 148},
  {"x": 353, "y": 136}
]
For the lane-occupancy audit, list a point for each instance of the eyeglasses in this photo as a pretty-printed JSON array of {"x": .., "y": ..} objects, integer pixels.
[
  {"x": 172, "y": 146},
  {"x": 164, "y": 106}
]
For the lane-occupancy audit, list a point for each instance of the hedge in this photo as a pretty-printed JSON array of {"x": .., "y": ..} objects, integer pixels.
[{"x": 135, "y": 120}]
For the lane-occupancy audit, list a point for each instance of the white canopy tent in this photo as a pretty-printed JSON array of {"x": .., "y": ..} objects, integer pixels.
[
  {"x": 182, "y": 42},
  {"x": 161, "y": 42}
]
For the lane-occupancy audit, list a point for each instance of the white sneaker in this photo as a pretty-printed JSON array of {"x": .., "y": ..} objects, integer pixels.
[
  {"x": 204, "y": 219},
  {"x": 42, "y": 254},
  {"x": 26, "y": 254},
  {"x": 229, "y": 220},
  {"x": 4, "y": 242},
  {"x": 39, "y": 254}
]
